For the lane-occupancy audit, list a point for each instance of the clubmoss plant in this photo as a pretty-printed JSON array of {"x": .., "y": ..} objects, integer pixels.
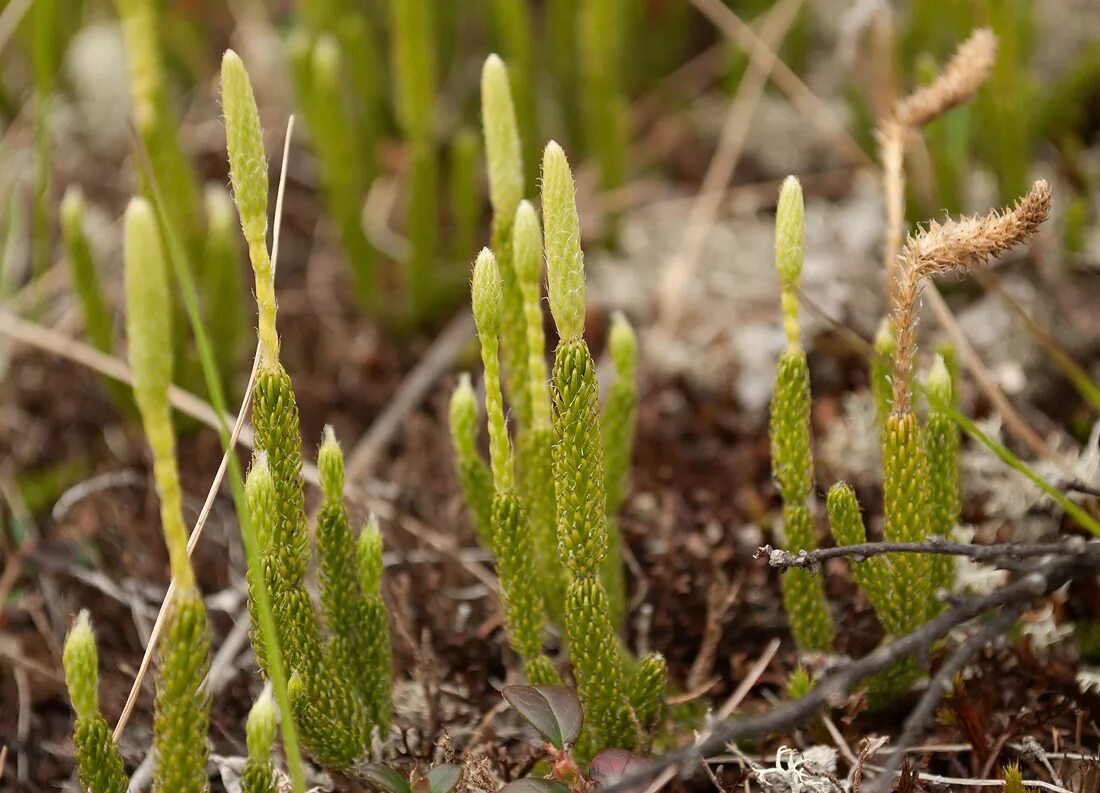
[
  {"x": 536, "y": 441},
  {"x": 344, "y": 167},
  {"x": 98, "y": 325},
  {"x": 792, "y": 461},
  {"x": 339, "y": 687},
  {"x": 153, "y": 116},
  {"x": 510, "y": 532},
  {"x": 376, "y": 676},
  {"x": 98, "y": 762},
  {"x": 86, "y": 282},
  {"x": 259, "y": 772},
  {"x": 222, "y": 288},
  {"x": 504, "y": 159},
  {"x": 414, "y": 70},
  {"x": 944, "y": 483},
  {"x": 578, "y": 468},
  {"x": 182, "y": 707},
  {"x": 358, "y": 627},
  {"x": 920, "y": 465},
  {"x": 512, "y": 29},
  {"x": 548, "y": 520},
  {"x": 881, "y": 361},
  {"x": 473, "y": 473},
  {"x": 600, "y": 50},
  {"x": 464, "y": 191},
  {"x": 618, "y": 419}
]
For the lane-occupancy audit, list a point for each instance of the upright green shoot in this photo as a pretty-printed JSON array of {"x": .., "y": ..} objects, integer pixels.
[
  {"x": 414, "y": 70},
  {"x": 792, "y": 460}
]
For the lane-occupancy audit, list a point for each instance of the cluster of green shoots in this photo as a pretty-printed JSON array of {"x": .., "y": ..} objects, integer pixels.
[
  {"x": 921, "y": 485},
  {"x": 543, "y": 504},
  {"x": 339, "y": 660},
  {"x": 543, "y": 510}
]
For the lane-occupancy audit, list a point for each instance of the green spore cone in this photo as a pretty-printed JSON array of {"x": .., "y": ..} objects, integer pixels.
[{"x": 248, "y": 173}]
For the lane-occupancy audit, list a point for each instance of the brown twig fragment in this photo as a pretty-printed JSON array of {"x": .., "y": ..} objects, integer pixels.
[
  {"x": 954, "y": 246},
  {"x": 1002, "y": 555}
]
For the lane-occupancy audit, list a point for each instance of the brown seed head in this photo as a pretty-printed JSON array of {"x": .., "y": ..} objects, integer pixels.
[
  {"x": 959, "y": 81},
  {"x": 962, "y": 245}
]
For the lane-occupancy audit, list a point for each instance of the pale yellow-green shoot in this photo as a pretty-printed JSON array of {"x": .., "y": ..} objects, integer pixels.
[
  {"x": 527, "y": 260},
  {"x": 623, "y": 344},
  {"x": 330, "y": 464},
  {"x": 502, "y": 144},
  {"x": 260, "y": 727},
  {"x": 790, "y": 235},
  {"x": 248, "y": 172},
  {"x": 81, "y": 662},
  {"x": 939, "y": 383},
  {"x": 488, "y": 298},
  {"x": 368, "y": 556},
  {"x": 564, "y": 260},
  {"x": 149, "y": 330},
  {"x": 139, "y": 31}
]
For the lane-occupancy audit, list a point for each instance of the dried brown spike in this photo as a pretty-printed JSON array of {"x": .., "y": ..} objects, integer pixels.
[
  {"x": 959, "y": 81},
  {"x": 970, "y": 242},
  {"x": 960, "y": 245}
]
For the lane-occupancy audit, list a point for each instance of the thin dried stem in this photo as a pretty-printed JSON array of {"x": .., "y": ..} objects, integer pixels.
[
  {"x": 735, "y": 129},
  {"x": 954, "y": 246}
]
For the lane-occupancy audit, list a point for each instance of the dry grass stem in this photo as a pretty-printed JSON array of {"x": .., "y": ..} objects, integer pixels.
[
  {"x": 735, "y": 129},
  {"x": 805, "y": 101},
  {"x": 954, "y": 246},
  {"x": 955, "y": 84}
]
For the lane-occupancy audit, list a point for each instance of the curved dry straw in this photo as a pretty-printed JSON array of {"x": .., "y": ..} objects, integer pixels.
[{"x": 959, "y": 246}]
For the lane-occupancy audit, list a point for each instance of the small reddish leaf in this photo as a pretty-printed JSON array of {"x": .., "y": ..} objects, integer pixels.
[
  {"x": 444, "y": 777},
  {"x": 534, "y": 785},
  {"x": 386, "y": 779},
  {"x": 614, "y": 765},
  {"x": 554, "y": 711}
]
